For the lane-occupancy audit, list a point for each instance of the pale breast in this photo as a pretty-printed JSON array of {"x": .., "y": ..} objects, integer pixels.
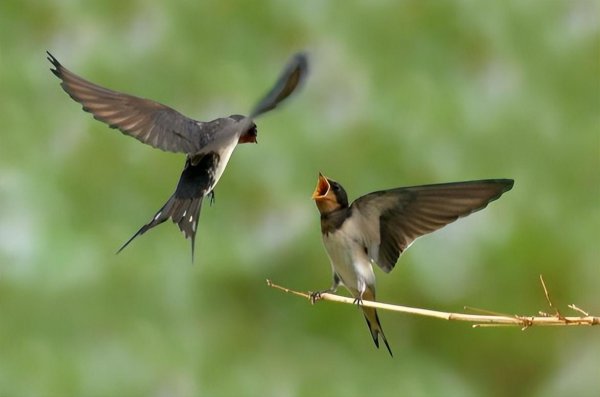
[
  {"x": 224, "y": 156},
  {"x": 349, "y": 259}
]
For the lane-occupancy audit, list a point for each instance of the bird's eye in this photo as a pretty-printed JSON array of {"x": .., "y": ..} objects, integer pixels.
[{"x": 335, "y": 187}]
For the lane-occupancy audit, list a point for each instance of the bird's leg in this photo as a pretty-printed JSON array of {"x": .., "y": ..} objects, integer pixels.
[
  {"x": 315, "y": 296},
  {"x": 212, "y": 197},
  {"x": 358, "y": 301}
]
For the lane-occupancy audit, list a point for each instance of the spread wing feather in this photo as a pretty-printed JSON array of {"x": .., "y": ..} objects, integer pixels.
[
  {"x": 147, "y": 121},
  {"x": 290, "y": 79},
  {"x": 393, "y": 219}
]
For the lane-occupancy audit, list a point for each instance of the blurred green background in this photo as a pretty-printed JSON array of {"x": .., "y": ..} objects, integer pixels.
[{"x": 400, "y": 93}]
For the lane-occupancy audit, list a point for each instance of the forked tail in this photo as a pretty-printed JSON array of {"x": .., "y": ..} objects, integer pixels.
[
  {"x": 183, "y": 208},
  {"x": 183, "y": 212},
  {"x": 375, "y": 327}
]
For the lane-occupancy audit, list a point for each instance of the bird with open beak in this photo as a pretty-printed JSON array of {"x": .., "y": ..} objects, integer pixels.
[
  {"x": 207, "y": 145},
  {"x": 376, "y": 228}
]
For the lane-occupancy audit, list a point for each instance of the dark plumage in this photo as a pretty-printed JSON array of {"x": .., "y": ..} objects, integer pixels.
[
  {"x": 207, "y": 145},
  {"x": 379, "y": 226}
]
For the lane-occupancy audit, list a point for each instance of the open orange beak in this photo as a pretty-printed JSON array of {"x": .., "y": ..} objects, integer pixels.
[{"x": 322, "y": 188}]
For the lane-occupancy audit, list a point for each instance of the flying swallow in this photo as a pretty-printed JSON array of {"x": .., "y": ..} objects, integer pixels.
[
  {"x": 378, "y": 227},
  {"x": 207, "y": 145}
]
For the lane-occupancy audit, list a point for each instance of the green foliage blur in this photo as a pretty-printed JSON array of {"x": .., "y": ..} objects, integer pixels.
[{"x": 400, "y": 93}]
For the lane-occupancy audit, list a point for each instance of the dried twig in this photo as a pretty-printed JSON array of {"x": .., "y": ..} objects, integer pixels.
[
  {"x": 547, "y": 295},
  {"x": 481, "y": 320},
  {"x": 572, "y": 306}
]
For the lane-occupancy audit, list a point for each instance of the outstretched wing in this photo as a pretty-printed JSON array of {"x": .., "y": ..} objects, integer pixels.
[
  {"x": 147, "y": 121},
  {"x": 392, "y": 219},
  {"x": 290, "y": 79}
]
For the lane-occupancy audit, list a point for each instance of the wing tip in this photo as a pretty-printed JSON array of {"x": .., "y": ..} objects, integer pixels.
[
  {"x": 507, "y": 184},
  {"x": 301, "y": 59},
  {"x": 51, "y": 58},
  {"x": 301, "y": 62},
  {"x": 502, "y": 186},
  {"x": 54, "y": 62}
]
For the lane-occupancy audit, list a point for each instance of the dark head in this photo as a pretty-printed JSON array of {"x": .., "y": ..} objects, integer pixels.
[
  {"x": 248, "y": 136},
  {"x": 329, "y": 195}
]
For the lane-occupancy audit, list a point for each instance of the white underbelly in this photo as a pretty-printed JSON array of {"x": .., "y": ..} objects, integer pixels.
[
  {"x": 349, "y": 262},
  {"x": 223, "y": 160}
]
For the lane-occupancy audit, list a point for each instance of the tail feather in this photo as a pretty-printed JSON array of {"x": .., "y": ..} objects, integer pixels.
[
  {"x": 375, "y": 327},
  {"x": 183, "y": 212},
  {"x": 183, "y": 207}
]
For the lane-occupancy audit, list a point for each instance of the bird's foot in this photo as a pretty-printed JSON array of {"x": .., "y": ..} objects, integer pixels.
[
  {"x": 358, "y": 301},
  {"x": 316, "y": 296},
  {"x": 212, "y": 197}
]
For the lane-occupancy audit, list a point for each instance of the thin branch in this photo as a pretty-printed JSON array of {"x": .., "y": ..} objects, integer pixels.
[
  {"x": 481, "y": 320},
  {"x": 546, "y": 293},
  {"x": 573, "y": 307}
]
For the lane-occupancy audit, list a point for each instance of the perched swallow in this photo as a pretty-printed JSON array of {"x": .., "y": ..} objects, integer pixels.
[
  {"x": 207, "y": 145},
  {"x": 378, "y": 227}
]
